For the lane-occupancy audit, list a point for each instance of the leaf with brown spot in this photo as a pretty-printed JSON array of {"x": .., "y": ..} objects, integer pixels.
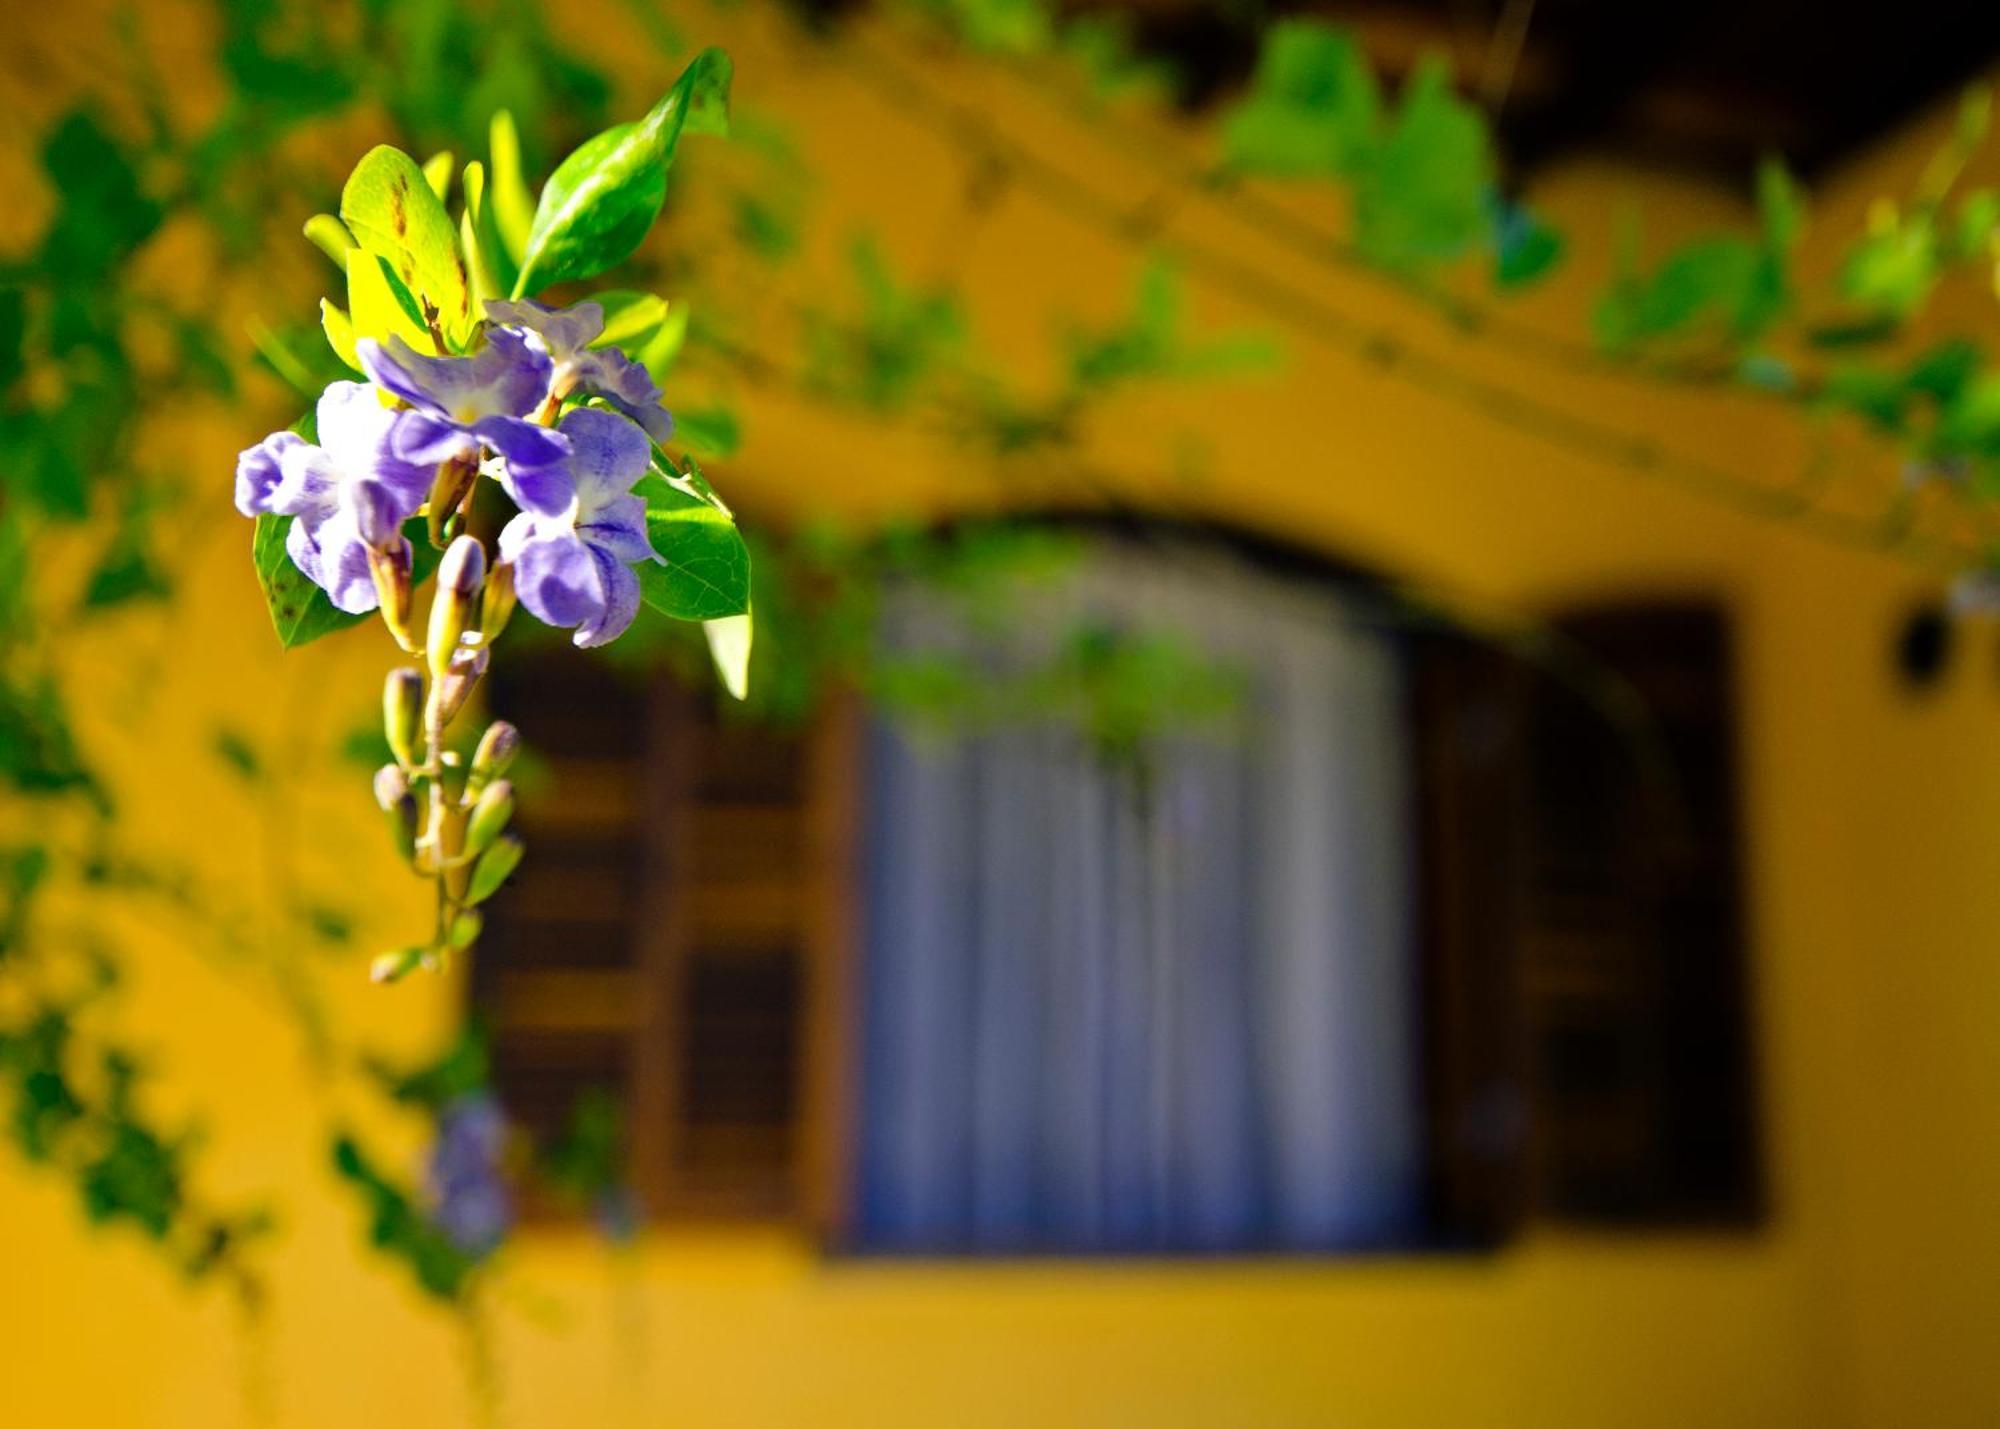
[{"x": 390, "y": 209}]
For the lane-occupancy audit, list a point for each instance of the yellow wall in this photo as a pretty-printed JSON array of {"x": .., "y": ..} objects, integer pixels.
[{"x": 1872, "y": 1299}]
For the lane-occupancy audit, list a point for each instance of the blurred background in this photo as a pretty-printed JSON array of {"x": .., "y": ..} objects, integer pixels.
[{"x": 1367, "y": 795}]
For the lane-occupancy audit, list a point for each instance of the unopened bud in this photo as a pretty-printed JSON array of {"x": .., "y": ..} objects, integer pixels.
[
  {"x": 492, "y": 869},
  {"x": 490, "y": 813},
  {"x": 448, "y": 493},
  {"x": 455, "y": 684},
  {"x": 496, "y": 606},
  {"x": 392, "y": 785},
  {"x": 391, "y": 569},
  {"x": 458, "y": 580},
  {"x": 497, "y": 748},
  {"x": 403, "y": 712},
  {"x": 392, "y": 792},
  {"x": 394, "y": 967},
  {"x": 465, "y": 930}
]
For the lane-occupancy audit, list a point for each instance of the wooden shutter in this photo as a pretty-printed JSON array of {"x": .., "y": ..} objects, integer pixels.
[{"x": 679, "y": 934}]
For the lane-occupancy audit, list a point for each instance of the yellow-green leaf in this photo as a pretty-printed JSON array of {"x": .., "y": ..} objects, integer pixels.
[
  {"x": 729, "y": 641},
  {"x": 339, "y": 333},
  {"x": 493, "y": 271},
  {"x": 330, "y": 236},
  {"x": 437, "y": 173},
  {"x": 513, "y": 205},
  {"x": 659, "y": 352},
  {"x": 390, "y": 209},
  {"x": 629, "y": 317},
  {"x": 378, "y": 305}
]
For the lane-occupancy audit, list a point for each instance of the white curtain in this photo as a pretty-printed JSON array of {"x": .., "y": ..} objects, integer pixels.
[{"x": 1169, "y": 1014}]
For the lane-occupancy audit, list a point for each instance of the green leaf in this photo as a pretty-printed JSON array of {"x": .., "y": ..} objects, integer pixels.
[
  {"x": 1893, "y": 268},
  {"x": 390, "y": 208},
  {"x": 126, "y": 573},
  {"x": 1424, "y": 194},
  {"x": 1868, "y": 391},
  {"x": 602, "y": 199},
  {"x": 1524, "y": 248},
  {"x": 1313, "y": 105},
  {"x": 1781, "y": 207},
  {"x": 729, "y": 640},
  {"x": 706, "y": 574},
  {"x": 236, "y": 751},
  {"x": 103, "y": 213},
  {"x": 1978, "y": 215},
  {"x": 300, "y": 610},
  {"x": 708, "y": 431},
  {"x": 1942, "y": 371},
  {"x": 1726, "y": 278}
]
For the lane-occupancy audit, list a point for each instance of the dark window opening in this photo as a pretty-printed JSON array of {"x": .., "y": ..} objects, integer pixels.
[{"x": 691, "y": 932}]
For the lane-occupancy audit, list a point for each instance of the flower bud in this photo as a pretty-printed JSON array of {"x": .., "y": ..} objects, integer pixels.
[
  {"x": 403, "y": 712},
  {"x": 448, "y": 492},
  {"x": 465, "y": 930},
  {"x": 492, "y": 869},
  {"x": 458, "y": 580},
  {"x": 455, "y": 684},
  {"x": 395, "y": 966},
  {"x": 392, "y": 786},
  {"x": 490, "y": 813},
  {"x": 497, "y": 748},
  {"x": 392, "y": 792},
  {"x": 496, "y": 606},
  {"x": 391, "y": 569}
]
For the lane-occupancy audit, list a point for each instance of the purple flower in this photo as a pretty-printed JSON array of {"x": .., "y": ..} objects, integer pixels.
[
  {"x": 460, "y": 404},
  {"x": 566, "y": 334},
  {"x": 350, "y": 494},
  {"x": 469, "y": 1195},
  {"x": 573, "y": 569}
]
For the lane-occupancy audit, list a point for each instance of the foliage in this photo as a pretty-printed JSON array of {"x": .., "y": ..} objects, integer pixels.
[{"x": 90, "y": 350}]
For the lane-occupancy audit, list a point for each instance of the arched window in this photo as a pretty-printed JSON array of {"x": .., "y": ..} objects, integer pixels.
[{"x": 1403, "y": 942}]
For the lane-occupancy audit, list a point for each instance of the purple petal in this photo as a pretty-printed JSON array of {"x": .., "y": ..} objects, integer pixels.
[
  {"x": 426, "y": 441},
  {"x": 508, "y": 377},
  {"x": 657, "y": 420},
  {"x": 378, "y": 510},
  {"x": 607, "y": 454},
  {"x": 621, "y": 601},
  {"x": 554, "y": 573},
  {"x": 522, "y": 443},
  {"x": 259, "y": 471},
  {"x": 610, "y": 373},
  {"x": 304, "y": 551},
  {"x": 310, "y": 484},
  {"x": 564, "y": 332},
  {"x": 332, "y": 554},
  {"x": 364, "y": 439},
  {"x": 618, "y": 528},
  {"x": 539, "y": 490}
]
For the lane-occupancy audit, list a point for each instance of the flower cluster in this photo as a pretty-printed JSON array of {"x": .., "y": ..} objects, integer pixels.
[
  {"x": 522, "y": 409},
  {"x": 470, "y": 1198},
  {"x": 567, "y": 431}
]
